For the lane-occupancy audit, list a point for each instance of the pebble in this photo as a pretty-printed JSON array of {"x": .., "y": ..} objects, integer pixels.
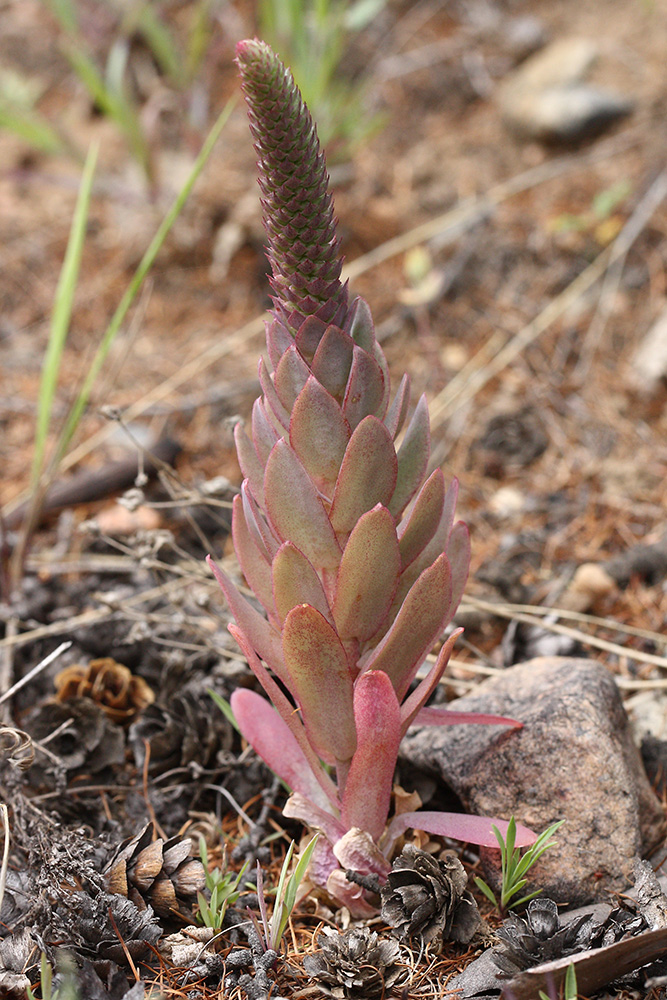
[{"x": 649, "y": 365}]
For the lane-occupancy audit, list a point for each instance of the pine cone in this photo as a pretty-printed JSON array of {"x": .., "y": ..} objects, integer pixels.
[
  {"x": 356, "y": 965},
  {"x": 191, "y": 729},
  {"x": 429, "y": 898},
  {"x": 158, "y": 873},
  {"x": 105, "y": 927},
  {"x": 86, "y": 742},
  {"x": 119, "y": 692},
  {"x": 539, "y": 937}
]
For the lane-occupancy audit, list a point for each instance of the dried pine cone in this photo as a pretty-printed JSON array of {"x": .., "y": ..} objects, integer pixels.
[
  {"x": 158, "y": 873},
  {"x": 119, "y": 692},
  {"x": 86, "y": 742},
  {"x": 105, "y": 927},
  {"x": 191, "y": 729},
  {"x": 540, "y": 937},
  {"x": 429, "y": 898},
  {"x": 356, "y": 965}
]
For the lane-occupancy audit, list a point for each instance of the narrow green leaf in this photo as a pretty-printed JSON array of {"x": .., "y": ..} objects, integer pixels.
[
  {"x": 226, "y": 710},
  {"x": 486, "y": 889}
]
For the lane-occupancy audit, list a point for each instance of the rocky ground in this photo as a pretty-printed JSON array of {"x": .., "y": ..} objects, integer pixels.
[{"x": 506, "y": 221}]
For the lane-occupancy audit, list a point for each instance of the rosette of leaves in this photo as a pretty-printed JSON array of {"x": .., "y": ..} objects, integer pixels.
[
  {"x": 540, "y": 936},
  {"x": 346, "y": 541},
  {"x": 356, "y": 965},
  {"x": 428, "y": 898}
]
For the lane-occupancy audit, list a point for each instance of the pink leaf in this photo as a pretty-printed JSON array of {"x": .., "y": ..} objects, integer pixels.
[
  {"x": 413, "y": 703},
  {"x": 367, "y": 577},
  {"x": 412, "y": 458},
  {"x": 264, "y": 434},
  {"x": 398, "y": 410},
  {"x": 290, "y": 377},
  {"x": 309, "y": 336},
  {"x": 458, "y": 826},
  {"x": 367, "y": 475},
  {"x": 251, "y": 467},
  {"x": 367, "y": 793},
  {"x": 365, "y": 390},
  {"x": 332, "y": 361},
  {"x": 441, "y": 717},
  {"x": 271, "y": 738},
  {"x": 321, "y": 682},
  {"x": 319, "y": 434},
  {"x": 263, "y": 534},
  {"x": 421, "y": 521},
  {"x": 252, "y": 560},
  {"x": 304, "y": 809},
  {"x": 279, "y": 412},
  {"x": 295, "y": 509}
]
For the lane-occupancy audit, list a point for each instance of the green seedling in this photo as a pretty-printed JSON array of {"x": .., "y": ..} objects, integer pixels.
[
  {"x": 515, "y": 865},
  {"x": 66, "y": 991},
  {"x": 569, "y": 986},
  {"x": 224, "y": 889},
  {"x": 272, "y": 928}
]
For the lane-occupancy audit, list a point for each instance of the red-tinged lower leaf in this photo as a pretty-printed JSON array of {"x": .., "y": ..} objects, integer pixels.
[
  {"x": 332, "y": 361},
  {"x": 367, "y": 577},
  {"x": 412, "y": 459},
  {"x": 280, "y": 414},
  {"x": 258, "y": 633},
  {"x": 458, "y": 553},
  {"x": 304, "y": 809},
  {"x": 357, "y": 850},
  {"x": 458, "y": 826},
  {"x": 278, "y": 339},
  {"x": 251, "y": 467},
  {"x": 252, "y": 560},
  {"x": 349, "y": 895},
  {"x": 295, "y": 509},
  {"x": 296, "y": 582},
  {"x": 367, "y": 475},
  {"x": 290, "y": 376},
  {"x": 290, "y": 717},
  {"x": 442, "y": 717},
  {"x": 271, "y": 738},
  {"x": 367, "y": 792},
  {"x": 309, "y": 336},
  {"x": 420, "y": 621},
  {"x": 321, "y": 682},
  {"x": 262, "y": 532},
  {"x": 264, "y": 434},
  {"x": 398, "y": 410},
  {"x": 422, "y": 518},
  {"x": 365, "y": 390},
  {"x": 319, "y": 434},
  {"x": 417, "y": 698}
]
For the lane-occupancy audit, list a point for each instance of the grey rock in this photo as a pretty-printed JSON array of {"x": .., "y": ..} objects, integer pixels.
[
  {"x": 546, "y": 99},
  {"x": 574, "y": 759}
]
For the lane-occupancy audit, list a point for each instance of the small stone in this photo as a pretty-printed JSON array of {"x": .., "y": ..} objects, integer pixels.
[
  {"x": 590, "y": 584},
  {"x": 524, "y": 35},
  {"x": 574, "y": 759},
  {"x": 649, "y": 365}
]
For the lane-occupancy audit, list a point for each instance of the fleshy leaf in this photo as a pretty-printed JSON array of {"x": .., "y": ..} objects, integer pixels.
[
  {"x": 303, "y": 808},
  {"x": 458, "y": 553},
  {"x": 319, "y": 433},
  {"x": 420, "y": 621},
  {"x": 412, "y": 458},
  {"x": 296, "y": 582},
  {"x": 252, "y": 560},
  {"x": 290, "y": 377},
  {"x": 367, "y": 577},
  {"x": 441, "y": 717},
  {"x": 357, "y": 850},
  {"x": 413, "y": 703},
  {"x": 251, "y": 467},
  {"x": 398, "y": 410},
  {"x": 422, "y": 519},
  {"x": 270, "y": 737},
  {"x": 309, "y": 336},
  {"x": 365, "y": 392},
  {"x": 264, "y": 434},
  {"x": 332, "y": 361},
  {"x": 296, "y": 511},
  {"x": 321, "y": 682},
  {"x": 262, "y": 532},
  {"x": 359, "y": 324},
  {"x": 458, "y": 826},
  {"x": 275, "y": 407},
  {"x": 258, "y": 632},
  {"x": 367, "y": 792},
  {"x": 367, "y": 475}
]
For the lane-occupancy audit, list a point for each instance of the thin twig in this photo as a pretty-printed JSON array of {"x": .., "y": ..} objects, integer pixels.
[
  {"x": 34, "y": 672},
  {"x": 5, "y": 853}
]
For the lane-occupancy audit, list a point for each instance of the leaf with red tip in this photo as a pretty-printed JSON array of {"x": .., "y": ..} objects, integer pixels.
[
  {"x": 262, "y": 532},
  {"x": 319, "y": 433},
  {"x": 252, "y": 560},
  {"x": 412, "y": 458},
  {"x": 359, "y": 324},
  {"x": 422, "y": 518},
  {"x": 278, "y": 340},
  {"x": 441, "y": 717},
  {"x": 264, "y": 434},
  {"x": 303, "y": 808},
  {"x": 417, "y": 698},
  {"x": 332, "y": 361},
  {"x": 290, "y": 717},
  {"x": 458, "y": 553},
  {"x": 365, "y": 390},
  {"x": 309, "y": 336},
  {"x": 367, "y": 577},
  {"x": 367, "y": 475},
  {"x": 257, "y": 631},
  {"x": 296, "y": 582},
  {"x": 251, "y": 467},
  {"x": 295, "y": 509},
  {"x": 290, "y": 377},
  {"x": 458, "y": 826},
  {"x": 279, "y": 412},
  {"x": 398, "y": 410},
  {"x": 367, "y": 792},
  {"x": 420, "y": 621},
  {"x": 320, "y": 680},
  {"x": 271, "y": 738}
]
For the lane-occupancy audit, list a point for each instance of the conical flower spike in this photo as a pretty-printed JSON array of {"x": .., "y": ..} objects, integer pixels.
[{"x": 351, "y": 550}]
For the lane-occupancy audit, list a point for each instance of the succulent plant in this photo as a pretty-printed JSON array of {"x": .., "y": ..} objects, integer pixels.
[{"x": 346, "y": 541}]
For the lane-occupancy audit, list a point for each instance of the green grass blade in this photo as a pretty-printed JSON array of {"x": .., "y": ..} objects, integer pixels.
[
  {"x": 526, "y": 899},
  {"x": 62, "y": 312},
  {"x": 136, "y": 282},
  {"x": 31, "y": 127},
  {"x": 225, "y": 708},
  {"x": 486, "y": 889}
]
